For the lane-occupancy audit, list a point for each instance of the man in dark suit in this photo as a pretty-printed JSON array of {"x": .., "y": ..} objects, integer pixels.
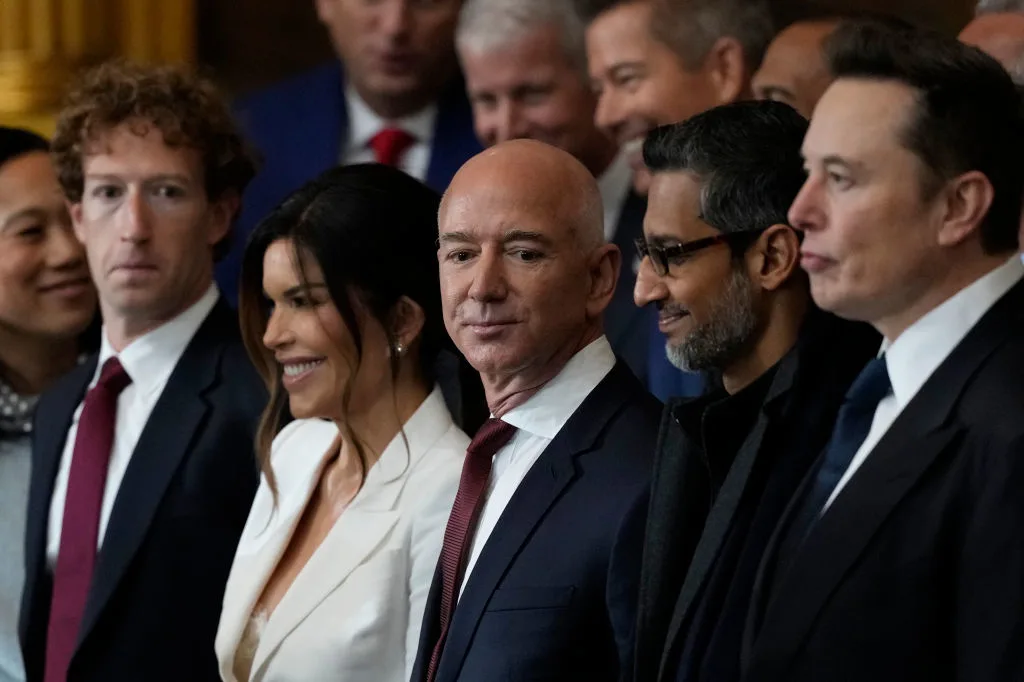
[
  {"x": 722, "y": 266},
  {"x": 656, "y": 62},
  {"x": 526, "y": 73},
  {"x": 902, "y": 554},
  {"x": 394, "y": 96},
  {"x": 143, "y": 462},
  {"x": 538, "y": 570}
]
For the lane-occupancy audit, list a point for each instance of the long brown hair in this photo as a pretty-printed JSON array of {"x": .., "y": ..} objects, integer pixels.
[{"x": 372, "y": 230}]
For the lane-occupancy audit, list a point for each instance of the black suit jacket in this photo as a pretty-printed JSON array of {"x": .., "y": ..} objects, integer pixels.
[
  {"x": 697, "y": 496},
  {"x": 552, "y": 595},
  {"x": 156, "y": 595},
  {"x": 916, "y": 570},
  {"x": 626, "y": 326}
]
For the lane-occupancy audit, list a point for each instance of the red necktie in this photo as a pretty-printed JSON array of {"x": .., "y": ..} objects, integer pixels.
[
  {"x": 80, "y": 526},
  {"x": 476, "y": 472},
  {"x": 389, "y": 145}
]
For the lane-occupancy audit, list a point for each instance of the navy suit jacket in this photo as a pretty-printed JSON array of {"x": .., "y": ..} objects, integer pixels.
[
  {"x": 156, "y": 594},
  {"x": 626, "y": 325},
  {"x": 552, "y": 595},
  {"x": 298, "y": 128}
]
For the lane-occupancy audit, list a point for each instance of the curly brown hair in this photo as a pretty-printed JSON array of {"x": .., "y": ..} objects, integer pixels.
[{"x": 188, "y": 110}]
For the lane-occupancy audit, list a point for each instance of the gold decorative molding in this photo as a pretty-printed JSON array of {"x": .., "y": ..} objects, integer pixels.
[{"x": 44, "y": 43}]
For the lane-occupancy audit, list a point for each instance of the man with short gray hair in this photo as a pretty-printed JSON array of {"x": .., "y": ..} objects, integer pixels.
[
  {"x": 525, "y": 64},
  {"x": 998, "y": 29}
]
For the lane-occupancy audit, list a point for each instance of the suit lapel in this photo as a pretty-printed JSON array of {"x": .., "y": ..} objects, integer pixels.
[
  {"x": 164, "y": 443},
  {"x": 922, "y": 432},
  {"x": 541, "y": 487},
  {"x": 723, "y": 512},
  {"x": 50, "y": 432},
  {"x": 354, "y": 538}
]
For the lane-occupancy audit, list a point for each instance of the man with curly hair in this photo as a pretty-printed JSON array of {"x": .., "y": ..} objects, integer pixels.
[{"x": 143, "y": 471}]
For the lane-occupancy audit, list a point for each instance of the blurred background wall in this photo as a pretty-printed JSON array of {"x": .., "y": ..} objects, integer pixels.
[{"x": 243, "y": 44}]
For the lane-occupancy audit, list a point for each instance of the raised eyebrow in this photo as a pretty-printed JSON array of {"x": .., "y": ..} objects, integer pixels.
[
  {"x": 525, "y": 236},
  {"x": 454, "y": 238}
]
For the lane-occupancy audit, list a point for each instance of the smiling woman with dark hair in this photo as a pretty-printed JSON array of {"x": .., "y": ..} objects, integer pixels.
[
  {"x": 46, "y": 303},
  {"x": 341, "y": 313}
]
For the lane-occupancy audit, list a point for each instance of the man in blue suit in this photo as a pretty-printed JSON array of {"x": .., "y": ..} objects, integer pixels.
[
  {"x": 539, "y": 567},
  {"x": 525, "y": 63},
  {"x": 394, "y": 96}
]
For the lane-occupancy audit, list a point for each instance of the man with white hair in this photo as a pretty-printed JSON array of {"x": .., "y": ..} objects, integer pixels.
[
  {"x": 998, "y": 29},
  {"x": 525, "y": 64}
]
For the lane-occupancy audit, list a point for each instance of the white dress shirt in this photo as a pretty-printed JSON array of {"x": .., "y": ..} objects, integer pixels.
[
  {"x": 915, "y": 355},
  {"x": 615, "y": 184},
  {"x": 538, "y": 421},
  {"x": 355, "y": 609},
  {"x": 149, "y": 361},
  {"x": 364, "y": 123}
]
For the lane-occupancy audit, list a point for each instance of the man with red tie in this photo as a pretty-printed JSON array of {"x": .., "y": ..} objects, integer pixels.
[
  {"x": 394, "y": 96},
  {"x": 143, "y": 468},
  {"x": 539, "y": 566}
]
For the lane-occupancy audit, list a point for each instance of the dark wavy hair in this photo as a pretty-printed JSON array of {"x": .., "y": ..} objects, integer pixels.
[{"x": 373, "y": 231}]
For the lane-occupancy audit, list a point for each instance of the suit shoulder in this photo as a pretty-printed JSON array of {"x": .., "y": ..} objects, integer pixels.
[
  {"x": 993, "y": 403},
  {"x": 281, "y": 97},
  {"x": 436, "y": 475}
]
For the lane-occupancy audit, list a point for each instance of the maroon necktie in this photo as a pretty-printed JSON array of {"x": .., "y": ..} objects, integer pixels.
[
  {"x": 476, "y": 472},
  {"x": 80, "y": 526},
  {"x": 389, "y": 145}
]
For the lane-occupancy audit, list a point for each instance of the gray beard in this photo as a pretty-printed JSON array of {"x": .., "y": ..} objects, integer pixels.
[{"x": 717, "y": 343}]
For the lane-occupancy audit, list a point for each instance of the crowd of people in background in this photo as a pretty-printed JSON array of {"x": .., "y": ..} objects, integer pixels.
[{"x": 604, "y": 340}]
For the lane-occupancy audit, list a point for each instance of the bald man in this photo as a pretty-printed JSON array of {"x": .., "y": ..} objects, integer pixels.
[
  {"x": 998, "y": 29},
  {"x": 539, "y": 568},
  {"x": 794, "y": 69}
]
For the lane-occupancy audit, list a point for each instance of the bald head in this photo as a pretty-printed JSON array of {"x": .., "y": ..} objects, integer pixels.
[
  {"x": 535, "y": 173},
  {"x": 794, "y": 70},
  {"x": 525, "y": 272}
]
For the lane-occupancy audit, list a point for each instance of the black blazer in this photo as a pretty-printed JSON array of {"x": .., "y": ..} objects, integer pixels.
[
  {"x": 915, "y": 571},
  {"x": 696, "y": 497},
  {"x": 552, "y": 595},
  {"x": 155, "y": 600},
  {"x": 627, "y": 326}
]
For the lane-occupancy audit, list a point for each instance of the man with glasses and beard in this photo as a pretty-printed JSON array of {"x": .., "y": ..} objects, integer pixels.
[{"x": 722, "y": 265}]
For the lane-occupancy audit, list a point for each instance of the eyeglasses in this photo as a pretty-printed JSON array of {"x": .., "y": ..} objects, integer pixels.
[{"x": 663, "y": 257}]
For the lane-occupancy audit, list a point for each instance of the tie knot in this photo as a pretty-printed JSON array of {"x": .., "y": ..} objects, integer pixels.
[
  {"x": 871, "y": 385},
  {"x": 113, "y": 376},
  {"x": 389, "y": 144},
  {"x": 491, "y": 437}
]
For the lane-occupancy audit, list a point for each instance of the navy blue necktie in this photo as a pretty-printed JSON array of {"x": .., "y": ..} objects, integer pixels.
[{"x": 851, "y": 430}]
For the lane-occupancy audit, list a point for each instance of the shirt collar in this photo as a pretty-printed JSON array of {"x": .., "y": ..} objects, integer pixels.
[
  {"x": 614, "y": 185},
  {"x": 150, "y": 359},
  {"x": 364, "y": 123},
  {"x": 919, "y": 350},
  {"x": 547, "y": 411}
]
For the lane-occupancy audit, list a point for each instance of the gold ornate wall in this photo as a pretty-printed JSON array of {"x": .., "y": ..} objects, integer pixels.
[{"x": 44, "y": 43}]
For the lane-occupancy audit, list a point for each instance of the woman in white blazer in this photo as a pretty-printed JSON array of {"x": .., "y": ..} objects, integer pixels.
[{"x": 341, "y": 314}]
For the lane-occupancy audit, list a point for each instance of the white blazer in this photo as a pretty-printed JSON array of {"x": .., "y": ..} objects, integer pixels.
[{"x": 354, "y": 610}]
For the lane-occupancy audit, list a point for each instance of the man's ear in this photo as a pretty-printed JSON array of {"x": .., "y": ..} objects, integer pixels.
[
  {"x": 222, "y": 214},
  {"x": 604, "y": 265},
  {"x": 75, "y": 211},
  {"x": 727, "y": 67},
  {"x": 968, "y": 200},
  {"x": 774, "y": 257}
]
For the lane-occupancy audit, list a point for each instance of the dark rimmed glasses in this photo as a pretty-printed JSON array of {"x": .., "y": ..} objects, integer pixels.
[{"x": 664, "y": 256}]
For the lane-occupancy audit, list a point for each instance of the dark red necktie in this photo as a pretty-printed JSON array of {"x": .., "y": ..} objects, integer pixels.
[
  {"x": 389, "y": 145},
  {"x": 81, "y": 521},
  {"x": 476, "y": 472}
]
